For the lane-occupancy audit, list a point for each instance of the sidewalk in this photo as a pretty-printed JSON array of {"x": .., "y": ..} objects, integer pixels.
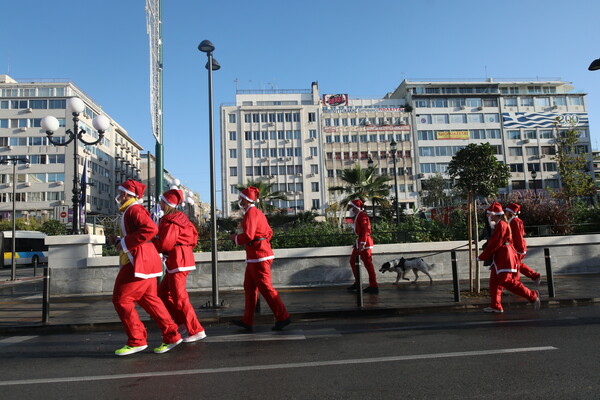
[{"x": 21, "y": 303}]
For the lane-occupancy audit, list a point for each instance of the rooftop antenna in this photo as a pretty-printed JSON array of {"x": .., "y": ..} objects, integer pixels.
[{"x": 236, "y": 80}]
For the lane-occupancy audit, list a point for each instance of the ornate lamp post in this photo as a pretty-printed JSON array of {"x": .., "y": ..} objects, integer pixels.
[
  {"x": 15, "y": 161},
  {"x": 534, "y": 176},
  {"x": 212, "y": 65},
  {"x": 394, "y": 148},
  {"x": 50, "y": 124}
]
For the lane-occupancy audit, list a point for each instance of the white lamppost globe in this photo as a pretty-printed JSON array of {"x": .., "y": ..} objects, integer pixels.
[
  {"x": 49, "y": 123},
  {"x": 75, "y": 105},
  {"x": 101, "y": 123}
]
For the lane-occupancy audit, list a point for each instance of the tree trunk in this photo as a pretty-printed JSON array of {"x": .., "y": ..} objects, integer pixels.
[
  {"x": 470, "y": 224},
  {"x": 477, "y": 266}
]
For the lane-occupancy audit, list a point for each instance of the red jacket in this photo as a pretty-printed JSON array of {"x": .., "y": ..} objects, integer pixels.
[
  {"x": 138, "y": 230},
  {"x": 256, "y": 236},
  {"x": 518, "y": 231},
  {"x": 500, "y": 247},
  {"x": 362, "y": 228},
  {"x": 177, "y": 237}
]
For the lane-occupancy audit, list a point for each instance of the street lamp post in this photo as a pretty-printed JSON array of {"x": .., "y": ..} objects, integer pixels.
[
  {"x": 534, "y": 176},
  {"x": 370, "y": 164},
  {"x": 212, "y": 65},
  {"x": 394, "y": 148},
  {"x": 50, "y": 125},
  {"x": 15, "y": 161}
]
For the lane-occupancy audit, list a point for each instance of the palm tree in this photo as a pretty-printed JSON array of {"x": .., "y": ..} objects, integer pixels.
[
  {"x": 363, "y": 184},
  {"x": 267, "y": 196}
]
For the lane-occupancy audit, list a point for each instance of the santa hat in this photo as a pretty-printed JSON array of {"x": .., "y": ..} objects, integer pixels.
[
  {"x": 251, "y": 194},
  {"x": 172, "y": 197},
  {"x": 513, "y": 208},
  {"x": 358, "y": 204},
  {"x": 133, "y": 188},
  {"x": 495, "y": 209}
]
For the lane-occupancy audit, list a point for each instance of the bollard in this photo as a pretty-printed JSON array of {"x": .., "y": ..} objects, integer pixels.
[
  {"x": 46, "y": 296},
  {"x": 359, "y": 293},
  {"x": 455, "y": 277},
  {"x": 549, "y": 276}
]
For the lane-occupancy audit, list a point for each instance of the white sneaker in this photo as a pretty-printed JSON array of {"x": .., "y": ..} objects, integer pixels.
[
  {"x": 164, "y": 347},
  {"x": 537, "y": 304},
  {"x": 194, "y": 338},
  {"x": 492, "y": 310}
]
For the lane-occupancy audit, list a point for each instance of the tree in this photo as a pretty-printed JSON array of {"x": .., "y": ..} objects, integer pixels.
[
  {"x": 572, "y": 159},
  {"x": 433, "y": 193},
  {"x": 54, "y": 227},
  {"x": 363, "y": 184},
  {"x": 477, "y": 172},
  {"x": 267, "y": 195}
]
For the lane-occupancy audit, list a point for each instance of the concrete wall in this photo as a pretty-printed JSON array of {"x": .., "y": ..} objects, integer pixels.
[{"x": 93, "y": 273}]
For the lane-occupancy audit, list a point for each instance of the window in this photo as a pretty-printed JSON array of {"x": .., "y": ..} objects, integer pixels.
[
  {"x": 549, "y": 150},
  {"x": 456, "y": 102},
  {"x": 256, "y": 153},
  {"x": 516, "y": 167},
  {"x": 248, "y": 135},
  {"x": 232, "y": 135},
  {"x": 439, "y": 103},
  {"x": 515, "y": 151},
  {"x": 256, "y": 135},
  {"x": 526, "y": 101},
  {"x": 232, "y": 189},
  {"x": 316, "y": 204},
  {"x": 248, "y": 153},
  {"x": 232, "y": 153},
  {"x": 510, "y": 101},
  {"x": 424, "y": 119},
  {"x": 314, "y": 186},
  {"x": 533, "y": 167},
  {"x": 514, "y": 135},
  {"x": 440, "y": 118},
  {"x": 477, "y": 133},
  {"x": 490, "y": 102},
  {"x": 549, "y": 167},
  {"x": 328, "y": 139},
  {"x": 493, "y": 134},
  {"x": 560, "y": 101},
  {"x": 312, "y": 117},
  {"x": 518, "y": 185},
  {"x": 575, "y": 100},
  {"x": 426, "y": 151},
  {"x": 473, "y": 102},
  {"x": 546, "y": 134},
  {"x": 475, "y": 118},
  {"x": 247, "y": 118},
  {"x": 542, "y": 101},
  {"x": 458, "y": 118},
  {"x": 313, "y": 151},
  {"x": 529, "y": 135},
  {"x": 426, "y": 135},
  {"x": 232, "y": 171},
  {"x": 532, "y": 151},
  {"x": 314, "y": 169},
  {"x": 38, "y": 104},
  {"x": 492, "y": 117},
  {"x": 424, "y": 103},
  {"x": 312, "y": 133}
]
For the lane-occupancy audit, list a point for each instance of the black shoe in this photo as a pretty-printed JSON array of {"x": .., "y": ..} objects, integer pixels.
[
  {"x": 241, "y": 324},
  {"x": 353, "y": 287},
  {"x": 371, "y": 289},
  {"x": 279, "y": 325}
]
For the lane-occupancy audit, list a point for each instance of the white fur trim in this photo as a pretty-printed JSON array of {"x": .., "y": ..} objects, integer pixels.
[
  {"x": 495, "y": 213},
  {"x": 147, "y": 276},
  {"x": 129, "y": 192},
  {"x": 509, "y": 210},
  {"x": 246, "y": 197},
  {"x": 181, "y": 269},
  {"x": 355, "y": 206},
  {"x": 166, "y": 202},
  {"x": 257, "y": 260}
]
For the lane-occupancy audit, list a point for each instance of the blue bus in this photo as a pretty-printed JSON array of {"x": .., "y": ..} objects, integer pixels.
[{"x": 29, "y": 247}]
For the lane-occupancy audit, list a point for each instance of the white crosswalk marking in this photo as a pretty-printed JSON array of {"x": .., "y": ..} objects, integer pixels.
[{"x": 15, "y": 340}]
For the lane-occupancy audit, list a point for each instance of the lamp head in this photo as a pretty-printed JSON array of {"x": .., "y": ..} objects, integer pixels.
[
  {"x": 49, "y": 124},
  {"x": 101, "y": 123},
  {"x": 595, "y": 65},
  {"x": 370, "y": 162},
  {"x": 75, "y": 105},
  {"x": 206, "y": 46},
  {"x": 215, "y": 65},
  {"x": 393, "y": 145},
  {"x": 534, "y": 174}
]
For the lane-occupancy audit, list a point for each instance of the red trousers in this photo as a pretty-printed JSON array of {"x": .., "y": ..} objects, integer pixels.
[
  {"x": 173, "y": 293},
  {"x": 258, "y": 280},
  {"x": 510, "y": 281},
  {"x": 367, "y": 259},
  {"x": 528, "y": 272},
  {"x": 129, "y": 290}
]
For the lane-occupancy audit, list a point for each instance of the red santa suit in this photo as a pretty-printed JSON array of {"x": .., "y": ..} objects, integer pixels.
[
  {"x": 255, "y": 237},
  {"x": 139, "y": 265},
  {"x": 518, "y": 233},
  {"x": 362, "y": 229},
  {"x": 177, "y": 237},
  {"x": 505, "y": 261}
]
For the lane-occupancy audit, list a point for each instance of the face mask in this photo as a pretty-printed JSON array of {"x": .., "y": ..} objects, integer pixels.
[
  {"x": 241, "y": 206},
  {"x": 492, "y": 223},
  {"x": 117, "y": 200},
  {"x": 352, "y": 212}
]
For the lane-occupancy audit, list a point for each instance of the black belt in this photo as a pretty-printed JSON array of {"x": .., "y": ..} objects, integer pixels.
[{"x": 258, "y": 239}]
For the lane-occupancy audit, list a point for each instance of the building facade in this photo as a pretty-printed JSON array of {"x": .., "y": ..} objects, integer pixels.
[
  {"x": 518, "y": 118},
  {"x": 47, "y": 181}
]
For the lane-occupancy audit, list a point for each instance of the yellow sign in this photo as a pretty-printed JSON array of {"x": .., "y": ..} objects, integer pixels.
[{"x": 450, "y": 135}]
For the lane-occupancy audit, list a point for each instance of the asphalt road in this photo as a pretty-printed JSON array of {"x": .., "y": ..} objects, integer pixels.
[{"x": 552, "y": 354}]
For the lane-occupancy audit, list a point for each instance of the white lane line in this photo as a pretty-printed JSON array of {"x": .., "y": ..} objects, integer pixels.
[
  {"x": 273, "y": 366},
  {"x": 14, "y": 340},
  {"x": 250, "y": 337}
]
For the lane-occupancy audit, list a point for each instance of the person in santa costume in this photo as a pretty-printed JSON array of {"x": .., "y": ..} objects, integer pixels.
[
  {"x": 176, "y": 240},
  {"x": 505, "y": 262},
  {"x": 363, "y": 245},
  {"x": 518, "y": 232},
  {"x": 139, "y": 267},
  {"x": 256, "y": 236}
]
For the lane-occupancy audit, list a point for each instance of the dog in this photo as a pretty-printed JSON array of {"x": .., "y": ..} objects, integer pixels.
[{"x": 403, "y": 265}]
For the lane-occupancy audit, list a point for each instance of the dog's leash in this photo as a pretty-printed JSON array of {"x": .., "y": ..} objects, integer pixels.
[{"x": 445, "y": 251}]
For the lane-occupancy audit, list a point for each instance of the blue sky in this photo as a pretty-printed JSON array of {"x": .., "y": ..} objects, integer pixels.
[{"x": 361, "y": 48}]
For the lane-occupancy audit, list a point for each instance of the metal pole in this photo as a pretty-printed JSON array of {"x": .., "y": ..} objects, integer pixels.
[
  {"x": 396, "y": 192},
  {"x": 213, "y": 204},
  {"x": 46, "y": 296},
  {"x": 160, "y": 159},
  {"x": 13, "y": 271},
  {"x": 455, "y": 277},
  {"x": 149, "y": 192},
  {"x": 549, "y": 276},
  {"x": 75, "y": 225},
  {"x": 359, "y": 294}
]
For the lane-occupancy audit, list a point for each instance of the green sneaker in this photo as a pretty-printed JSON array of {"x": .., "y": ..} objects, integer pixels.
[
  {"x": 164, "y": 347},
  {"x": 127, "y": 350}
]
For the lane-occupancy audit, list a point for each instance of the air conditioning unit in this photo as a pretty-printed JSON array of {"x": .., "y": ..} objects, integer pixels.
[
  {"x": 60, "y": 183},
  {"x": 299, "y": 175},
  {"x": 23, "y": 129},
  {"x": 288, "y": 159},
  {"x": 310, "y": 175},
  {"x": 29, "y": 110},
  {"x": 309, "y": 157},
  {"x": 271, "y": 176},
  {"x": 263, "y": 141},
  {"x": 27, "y": 184},
  {"x": 288, "y": 141},
  {"x": 9, "y": 147},
  {"x": 421, "y": 176},
  {"x": 312, "y": 139},
  {"x": 281, "y": 159},
  {"x": 463, "y": 107},
  {"x": 480, "y": 108},
  {"x": 271, "y": 123},
  {"x": 525, "y": 141},
  {"x": 542, "y": 156},
  {"x": 264, "y": 159}
]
